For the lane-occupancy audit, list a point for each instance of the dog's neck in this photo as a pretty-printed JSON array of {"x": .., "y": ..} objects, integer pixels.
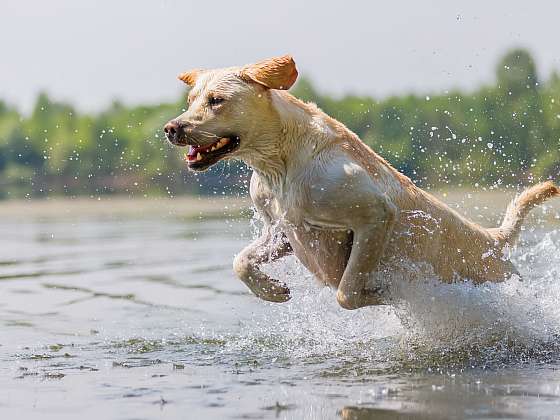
[{"x": 299, "y": 132}]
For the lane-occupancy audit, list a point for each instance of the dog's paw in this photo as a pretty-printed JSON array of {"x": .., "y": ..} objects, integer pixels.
[{"x": 274, "y": 292}]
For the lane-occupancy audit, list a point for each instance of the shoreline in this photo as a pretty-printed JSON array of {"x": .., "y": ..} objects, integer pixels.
[
  {"x": 188, "y": 207},
  {"x": 484, "y": 207}
]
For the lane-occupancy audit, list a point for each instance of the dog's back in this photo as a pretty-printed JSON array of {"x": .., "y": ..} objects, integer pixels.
[{"x": 427, "y": 230}]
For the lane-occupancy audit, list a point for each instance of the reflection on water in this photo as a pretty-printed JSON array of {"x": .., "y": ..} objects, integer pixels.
[{"x": 142, "y": 317}]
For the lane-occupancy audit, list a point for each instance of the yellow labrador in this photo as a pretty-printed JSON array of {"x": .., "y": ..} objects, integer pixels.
[{"x": 324, "y": 195}]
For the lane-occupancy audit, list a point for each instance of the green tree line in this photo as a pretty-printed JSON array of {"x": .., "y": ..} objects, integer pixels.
[{"x": 507, "y": 133}]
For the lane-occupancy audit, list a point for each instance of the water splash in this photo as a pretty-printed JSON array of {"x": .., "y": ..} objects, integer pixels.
[{"x": 429, "y": 323}]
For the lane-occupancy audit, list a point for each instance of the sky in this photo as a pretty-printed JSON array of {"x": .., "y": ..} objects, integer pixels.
[{"x": 91, "y": 52}]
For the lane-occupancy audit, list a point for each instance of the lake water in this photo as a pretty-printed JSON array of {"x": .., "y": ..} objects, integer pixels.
[{"x": 139, "y": 317}]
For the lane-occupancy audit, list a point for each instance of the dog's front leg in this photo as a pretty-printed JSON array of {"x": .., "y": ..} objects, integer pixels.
[
  {"x": 267, "y": 248},
  {"x": 370, "y": 240}
]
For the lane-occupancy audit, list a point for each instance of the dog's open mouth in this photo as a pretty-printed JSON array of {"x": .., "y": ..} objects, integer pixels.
[{"x": 201, "y": 157}]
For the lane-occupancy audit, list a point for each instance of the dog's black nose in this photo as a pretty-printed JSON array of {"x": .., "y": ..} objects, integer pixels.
[{"x": 173, "y": 131}]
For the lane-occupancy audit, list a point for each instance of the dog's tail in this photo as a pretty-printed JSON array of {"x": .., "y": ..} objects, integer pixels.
[{"x": 518, "y": 209}]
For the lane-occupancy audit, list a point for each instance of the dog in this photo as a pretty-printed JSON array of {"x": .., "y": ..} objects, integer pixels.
[{"x": 325, "y": 196}]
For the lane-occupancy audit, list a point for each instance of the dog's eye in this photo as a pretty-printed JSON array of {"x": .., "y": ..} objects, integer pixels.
[{"x": 214, "y": 100}]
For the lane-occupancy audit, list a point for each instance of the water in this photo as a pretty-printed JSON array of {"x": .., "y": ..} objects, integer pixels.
[{"x": 138, "y": 316}]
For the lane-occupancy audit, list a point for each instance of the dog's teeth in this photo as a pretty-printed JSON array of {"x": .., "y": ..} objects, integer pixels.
[{"x": 198, "y": 157}]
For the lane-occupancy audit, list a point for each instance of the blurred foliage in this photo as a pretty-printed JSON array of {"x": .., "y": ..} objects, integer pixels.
[{"x": 505, "y": 134}]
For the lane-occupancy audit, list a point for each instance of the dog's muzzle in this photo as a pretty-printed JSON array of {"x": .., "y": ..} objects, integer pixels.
[{"x": 175, "y": 132}]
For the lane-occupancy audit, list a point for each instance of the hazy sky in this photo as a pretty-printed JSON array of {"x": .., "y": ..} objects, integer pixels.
[{"x": 90, "y": 52}]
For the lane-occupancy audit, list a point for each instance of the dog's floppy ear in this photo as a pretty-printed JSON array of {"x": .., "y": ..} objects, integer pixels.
[
  {"x": 189, "y": 77},
  {"x": 274, "y": 73}
]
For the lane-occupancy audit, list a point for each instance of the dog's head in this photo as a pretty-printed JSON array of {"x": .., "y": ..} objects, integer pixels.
[{"x": 228, "y": 109}]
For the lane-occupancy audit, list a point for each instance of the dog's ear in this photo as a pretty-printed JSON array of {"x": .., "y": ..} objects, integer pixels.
[
  {"x": 189, "y": 77},
  {"x": 274, "y": 73}
]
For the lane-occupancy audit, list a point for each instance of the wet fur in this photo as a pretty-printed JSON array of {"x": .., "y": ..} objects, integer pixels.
[{"x": 327, "y": 197}]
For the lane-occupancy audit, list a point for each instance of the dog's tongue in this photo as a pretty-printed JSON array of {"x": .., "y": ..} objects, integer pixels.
[{"x": 192, "y": 152}]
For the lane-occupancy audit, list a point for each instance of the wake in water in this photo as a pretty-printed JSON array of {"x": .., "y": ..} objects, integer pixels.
[
  {"x": 523, "y": 312},
  {"x": 428, "y": 323}
]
